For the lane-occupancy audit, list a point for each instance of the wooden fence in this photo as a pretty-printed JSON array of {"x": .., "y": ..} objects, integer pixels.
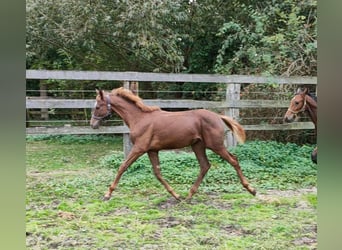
[{"x": 230, "y": 105}]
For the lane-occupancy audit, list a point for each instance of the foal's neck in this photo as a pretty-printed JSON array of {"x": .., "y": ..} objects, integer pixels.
[
  {"x": 129, "y": 112},
  {"x": 312, "y": 109}
]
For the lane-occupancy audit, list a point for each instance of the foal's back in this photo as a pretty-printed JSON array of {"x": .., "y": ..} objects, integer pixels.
[{"x": 171, "y": 130}]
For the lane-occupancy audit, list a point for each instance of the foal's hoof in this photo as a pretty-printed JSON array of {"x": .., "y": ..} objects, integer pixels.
[
  {"x": 252, "y": 191},
  {"x": 177, "y": 197},
  {"x": 106, "y": 198}
]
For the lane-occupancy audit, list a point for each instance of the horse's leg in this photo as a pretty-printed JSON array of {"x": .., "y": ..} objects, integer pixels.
[
  {"x": 314, "y": 155},
  {"x": 234, "y": 162},
  {"x": 154, "y": 158},
  {"x": 132, "y": 157},
  {"x": 199, "y": 150}
]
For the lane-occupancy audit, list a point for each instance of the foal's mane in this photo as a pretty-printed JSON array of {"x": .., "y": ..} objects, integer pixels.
[
  {"x": 128, "y": 95},
  {"x": 313, "y": 96}
]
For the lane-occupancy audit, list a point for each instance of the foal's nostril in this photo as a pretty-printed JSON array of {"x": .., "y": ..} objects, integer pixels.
[
  {"x": 287, "y": 119},
  {"x": 94, "y": 124}
]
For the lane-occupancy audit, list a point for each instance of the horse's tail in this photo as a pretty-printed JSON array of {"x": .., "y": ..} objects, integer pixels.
[{"x": 235, "y": 127}]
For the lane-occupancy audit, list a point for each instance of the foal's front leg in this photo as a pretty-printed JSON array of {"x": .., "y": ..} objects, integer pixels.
[
  {"x": 132, "y": 157},
  {"x": 154, "y": 158}
]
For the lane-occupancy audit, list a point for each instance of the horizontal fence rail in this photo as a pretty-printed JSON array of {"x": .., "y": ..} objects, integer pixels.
[
  {"x": 124, "y": 129},
  {"x": 163, "y": 77},
  {"x": 231, "y": 105},
  {"x": 191, "y": 104}
]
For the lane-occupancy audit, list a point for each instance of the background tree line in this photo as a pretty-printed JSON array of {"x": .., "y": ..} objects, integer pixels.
[{"x": 201, "y": 36}]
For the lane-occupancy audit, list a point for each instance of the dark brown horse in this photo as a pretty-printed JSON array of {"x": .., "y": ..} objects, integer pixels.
[
  {"x": 152, "y": 129},
  {"x": 303, "y": 101}
]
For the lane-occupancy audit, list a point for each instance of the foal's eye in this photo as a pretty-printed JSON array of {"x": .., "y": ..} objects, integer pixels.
[
  {"x": 296, "y": 103},
  {"x": 97, "y": 107}
]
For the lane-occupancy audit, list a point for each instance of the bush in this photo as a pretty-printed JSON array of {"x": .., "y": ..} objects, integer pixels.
[{"x": 72, "y": 139}]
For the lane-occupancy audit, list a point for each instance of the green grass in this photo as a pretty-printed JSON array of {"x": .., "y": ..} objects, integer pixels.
[{"x": 67, "y": 177}]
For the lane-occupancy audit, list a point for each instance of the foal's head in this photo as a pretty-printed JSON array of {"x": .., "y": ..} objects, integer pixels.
[
  {"x": 297, "y": 105},
  {"x": 102, "y": 109}
]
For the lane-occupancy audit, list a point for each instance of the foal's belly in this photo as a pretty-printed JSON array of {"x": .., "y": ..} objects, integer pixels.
[{"x": 173, "y": 139}]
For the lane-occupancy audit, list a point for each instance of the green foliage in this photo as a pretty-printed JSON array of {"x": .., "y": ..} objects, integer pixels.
[
  {"x": 312, "y": 199},
  {"x": 74, "y": 139},
  {"x": 174, "y": 36},
  {"x": 272, "y": 154},
  {"x": 189, "y": 90},
  {"x": 105, "y": 35},
  {"x": 279, "y": 37},
  {"x": 269, "y": 164},
  {"x": 277, "y": 165}
]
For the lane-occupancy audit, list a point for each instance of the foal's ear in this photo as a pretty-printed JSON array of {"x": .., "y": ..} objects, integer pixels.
[
  {"x": 306, "y": 91},
  {"x": 299, "y": 91},
  {"x": 99, "y": 92}
]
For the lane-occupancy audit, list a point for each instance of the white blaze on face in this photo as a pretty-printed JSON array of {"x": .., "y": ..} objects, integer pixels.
[
  {"x": 93, "y": 110},
  {"x": 94, "y": 123}
]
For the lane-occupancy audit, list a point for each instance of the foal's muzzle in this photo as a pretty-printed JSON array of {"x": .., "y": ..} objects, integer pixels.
[
  {"x": 289, "y": 119},
  {"x": 94, "y": 123}
]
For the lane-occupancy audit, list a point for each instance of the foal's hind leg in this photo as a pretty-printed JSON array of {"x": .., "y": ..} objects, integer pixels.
[
  {"x": 234, "y": 162},
  {"x": 156, "y": 169},
  {"x": 199, "y": 151},
  {"x": 132, "y": 157}
]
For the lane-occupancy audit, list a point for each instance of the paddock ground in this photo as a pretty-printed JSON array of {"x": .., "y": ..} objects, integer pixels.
[{"x": 64, "y": 210}]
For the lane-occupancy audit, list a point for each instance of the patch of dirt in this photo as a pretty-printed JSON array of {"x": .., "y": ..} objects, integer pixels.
[
  {"x": 170, "y": 203},
  {"x": 66, "y": 215},
  {"x": 274, "y": 196},
  {"x": 306, "y": 241},
  {"x": 52, "y": 205},
  {"x": 171, "y": 221},
  {"x": 54, "y": 173},
  {"x": 289, "y": 193},
  {"x": 217, "y": 203},
  {"x": 118, "y": 212},
  {"x": 41, "y": 177},
  {"x": 39, "y": 241},
  {"x": 311, "y": 242},
  {"x": 271, "y": 196},
  {"x": 233, "y": 230}
]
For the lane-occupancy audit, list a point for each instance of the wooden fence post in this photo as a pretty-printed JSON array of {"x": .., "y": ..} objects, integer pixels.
[
  {"x": 44, "y": 112},
  {"x": 127, "y": 144},
  {"x": 232, "y": 94}
]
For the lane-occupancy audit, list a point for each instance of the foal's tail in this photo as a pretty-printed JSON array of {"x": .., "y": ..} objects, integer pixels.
[{"x": 235, "y": 127}]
